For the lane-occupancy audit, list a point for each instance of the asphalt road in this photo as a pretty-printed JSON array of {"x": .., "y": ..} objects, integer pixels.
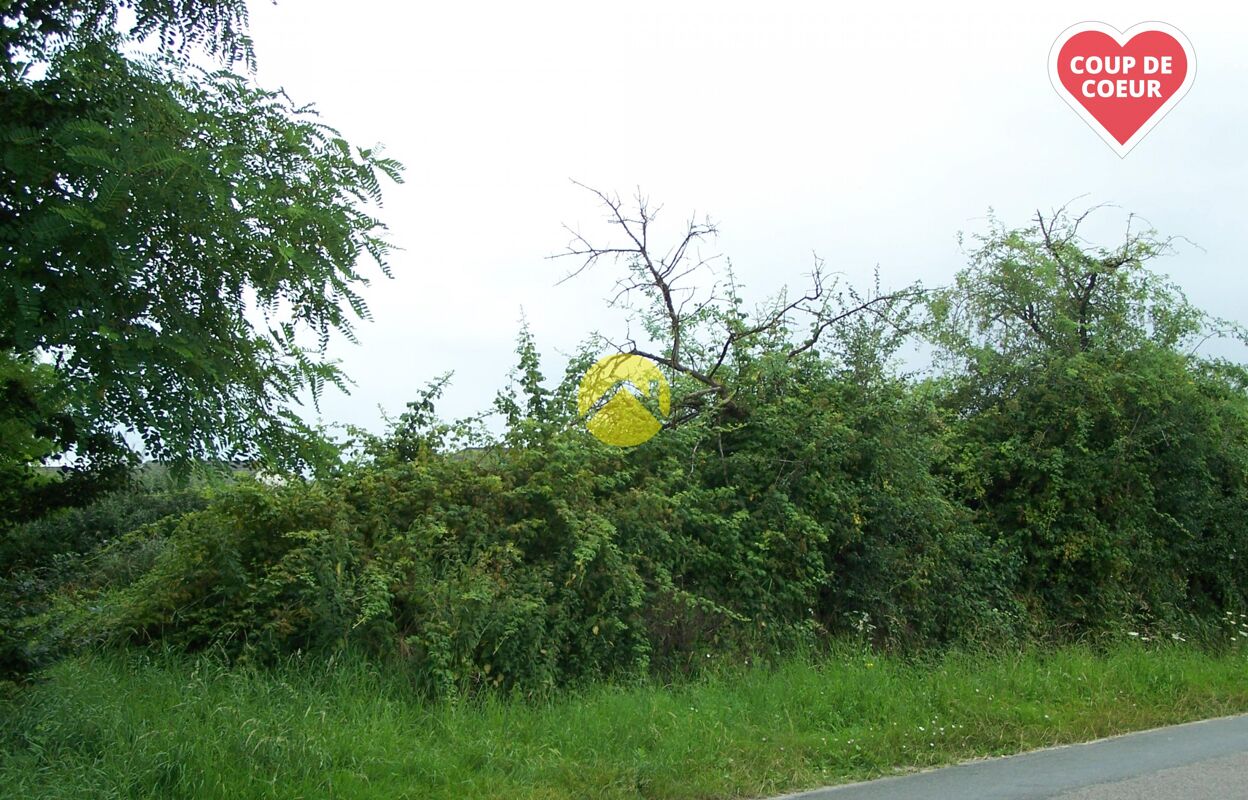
[{"x": 1198, "y": 761}]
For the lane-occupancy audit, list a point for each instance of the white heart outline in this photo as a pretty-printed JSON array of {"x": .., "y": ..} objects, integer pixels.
[{"x": 1122, "y": 37}]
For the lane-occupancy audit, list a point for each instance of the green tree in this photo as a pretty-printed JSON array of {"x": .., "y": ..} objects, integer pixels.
[
  {"x": 526, "y": 404},
  {"x": 178, "y": 244},
  {"x": 1090, "y": 439}
]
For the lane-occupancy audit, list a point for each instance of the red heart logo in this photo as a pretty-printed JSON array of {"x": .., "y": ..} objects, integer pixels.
[{"x": 1122, "y": 82}]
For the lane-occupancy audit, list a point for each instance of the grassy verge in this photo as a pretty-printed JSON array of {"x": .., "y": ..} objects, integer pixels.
[{"x": 142, "y": 726}]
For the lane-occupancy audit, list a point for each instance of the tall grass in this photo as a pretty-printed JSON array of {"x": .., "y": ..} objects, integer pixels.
[{"x": 141, "y": 725}]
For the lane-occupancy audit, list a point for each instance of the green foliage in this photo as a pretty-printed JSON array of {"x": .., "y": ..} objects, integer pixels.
[
  {"x": 549, "y": 558},
  {"x": 27, "y": 429},
  {"x": 1091, "y": 443},
  {"x": 1076, "y": 471},
  {"x": 144, "y": 725},
  {"x": 434, "y": 559},
  {"x": 35, "y": 425},
  {"x": 526, "y": 404},
  {"x": 83, "y": 530},
  {"x": 42, "y": 560},
  {"x": 148, "y": 210},
  {"x": 32, "y": 29}
]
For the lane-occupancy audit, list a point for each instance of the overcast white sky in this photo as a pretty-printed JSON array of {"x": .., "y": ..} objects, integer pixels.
[{"x": 869, "y": 135}]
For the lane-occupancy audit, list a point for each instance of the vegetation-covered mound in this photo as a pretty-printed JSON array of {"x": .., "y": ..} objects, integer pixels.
[{"x": 1069, "y": 467}]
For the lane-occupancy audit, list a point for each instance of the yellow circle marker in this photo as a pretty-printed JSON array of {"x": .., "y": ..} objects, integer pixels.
[{"x": 610, "y": 398}]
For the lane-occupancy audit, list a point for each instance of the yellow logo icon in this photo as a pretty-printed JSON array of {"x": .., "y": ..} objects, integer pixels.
[{"x": 611, "y": 396}]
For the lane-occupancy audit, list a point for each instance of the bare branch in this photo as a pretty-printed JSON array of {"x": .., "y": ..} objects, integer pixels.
[{"x": 679, "y": 307}]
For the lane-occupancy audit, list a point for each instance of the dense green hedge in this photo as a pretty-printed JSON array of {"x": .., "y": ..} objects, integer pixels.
[
  {"x": 1074, "y": 471},
  {"x": 535, "y": 566},
  {"x": 39, "y": 560}
]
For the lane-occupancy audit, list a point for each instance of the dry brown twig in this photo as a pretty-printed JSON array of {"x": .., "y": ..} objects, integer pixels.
[{"x": 659, "y": 277}]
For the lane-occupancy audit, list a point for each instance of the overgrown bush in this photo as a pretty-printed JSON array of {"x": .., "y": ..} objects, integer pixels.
[
  {"x": 550, "y": 558},
  {"x": 41, "y": 559},
  {"x": 1092, "y": 443},
  {"x": 1073, "y": 469}
]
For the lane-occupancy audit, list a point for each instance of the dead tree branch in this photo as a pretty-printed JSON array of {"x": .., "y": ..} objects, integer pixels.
[{"x": 679, "y": 307}]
